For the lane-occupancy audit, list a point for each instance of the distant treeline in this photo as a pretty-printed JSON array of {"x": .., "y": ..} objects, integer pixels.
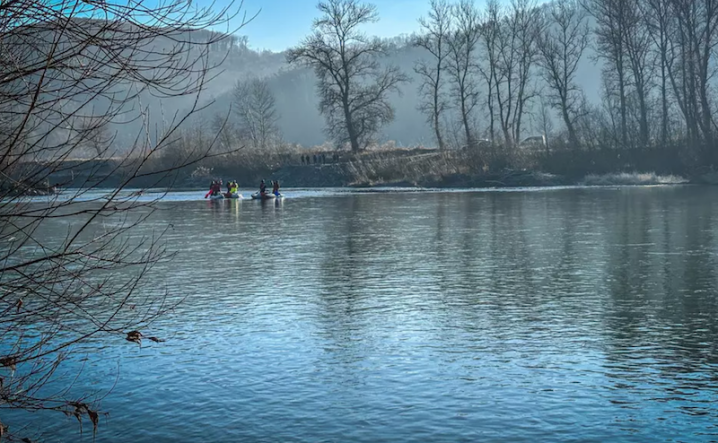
[
  {"x": 575, "y": 86},
  {"x": 501, "y": 78}
]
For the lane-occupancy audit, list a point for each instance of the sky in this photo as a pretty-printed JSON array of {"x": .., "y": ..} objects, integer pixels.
[{"x": 282, "y": 24}]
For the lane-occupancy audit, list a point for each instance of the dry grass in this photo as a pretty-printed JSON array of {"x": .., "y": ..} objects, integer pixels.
[{"x": 409, "y": 166}]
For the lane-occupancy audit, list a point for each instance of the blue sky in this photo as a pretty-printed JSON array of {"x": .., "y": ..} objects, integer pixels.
[{"x": 283, "y": 23}]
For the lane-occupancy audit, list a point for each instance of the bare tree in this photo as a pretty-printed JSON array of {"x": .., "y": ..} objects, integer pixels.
[
  {"x": 525, "y": 24},
  {"x": 696, "y": 42},
  {"x": 659, "y": 23},
  {"x": 433, "y": 40},
  {"x": 61, "y": 61},
  {"x": 638, "y": 42},
  {"x": 254, "y": 106},
  {"x": 611, "y": 31},
  {"x": 461, "y": 64},
  {"x": 561, "y": 45},
  {"x": 353, "y": 85},
  {"x": 489, "y": 30},
  {"x": 516, "y": 54}
]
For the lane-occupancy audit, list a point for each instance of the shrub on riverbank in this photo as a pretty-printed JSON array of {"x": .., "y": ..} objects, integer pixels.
[{"x": 635, "y": 178}]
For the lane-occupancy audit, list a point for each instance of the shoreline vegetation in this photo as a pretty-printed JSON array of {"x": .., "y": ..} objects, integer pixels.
[{"x": 407, "y": 168}]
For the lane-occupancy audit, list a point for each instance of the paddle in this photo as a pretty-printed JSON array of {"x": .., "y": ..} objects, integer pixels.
[{"x": 207, "y": 194}]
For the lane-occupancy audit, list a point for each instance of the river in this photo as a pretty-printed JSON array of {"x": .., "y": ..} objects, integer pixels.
[{"x": 567, "y": 314}]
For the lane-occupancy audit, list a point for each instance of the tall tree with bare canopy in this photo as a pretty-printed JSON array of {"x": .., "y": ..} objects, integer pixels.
[
  {"x": 353, "y": 85},
  {"x": 695, "y": 47},
  {"x": 73, "y": 269},
  {"x": 461, "y": 64},
  {"x": 612, "y": 30},
  {"x": 254, "y": 106},
  {"x": 561, "y": 44},
  {"x": 434, "y": 41}
]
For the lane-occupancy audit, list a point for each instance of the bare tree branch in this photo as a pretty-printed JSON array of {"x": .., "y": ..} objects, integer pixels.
[{"x": 69, "y": 69}]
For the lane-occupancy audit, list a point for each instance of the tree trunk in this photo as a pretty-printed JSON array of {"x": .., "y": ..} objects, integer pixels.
[
  {"x": 437, "y": 130},
  {"x": 664, "y": 105},
  {"x": 623, "y": 107},
  {"x": 492, "y": 122},
  {"x": 437, "y": 120},
  {"x": 467, "y": 127},
  {"x": 643, "y": 118},
  {"x": 351, "y": 130},
  {"x": 569, "y": 124}
]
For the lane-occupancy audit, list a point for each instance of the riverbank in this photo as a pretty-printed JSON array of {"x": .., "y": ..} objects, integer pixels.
[
  {"x": 418, "y": 169},
  {"x": 408, "y": 169}
]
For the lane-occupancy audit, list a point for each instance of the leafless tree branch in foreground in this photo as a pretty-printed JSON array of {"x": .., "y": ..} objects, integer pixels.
[{"x": 68, "y": 69}]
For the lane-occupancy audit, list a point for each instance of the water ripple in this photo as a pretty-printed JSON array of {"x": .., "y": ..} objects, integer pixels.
[{"x": 566, "y": 315}]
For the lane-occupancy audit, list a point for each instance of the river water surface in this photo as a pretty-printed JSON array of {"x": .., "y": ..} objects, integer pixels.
[{"x": 585, "y": 315}]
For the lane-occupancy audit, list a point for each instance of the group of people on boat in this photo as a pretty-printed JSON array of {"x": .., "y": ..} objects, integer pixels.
[
  {"x": 232, "y": 188},
  {"x": 215, "y": 188},
  {"x": 263, "y": 188}
]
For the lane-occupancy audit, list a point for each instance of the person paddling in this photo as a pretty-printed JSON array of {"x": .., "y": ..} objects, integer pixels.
[
  {"x": 213, "y": 189},
  {"x": 262, "y": 188}
]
